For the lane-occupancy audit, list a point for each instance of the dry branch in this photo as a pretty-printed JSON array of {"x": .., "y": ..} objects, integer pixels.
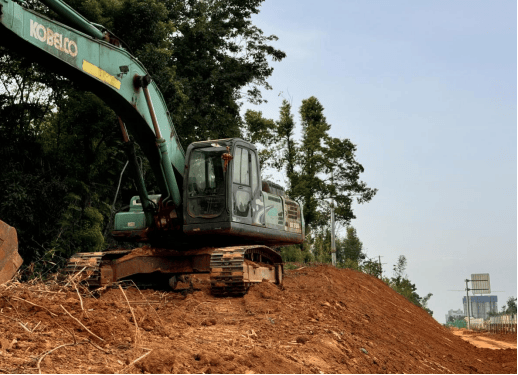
[
  {"x": 21, "y": 299},
  {"x": 73, "y": 277},
  {"x": 61, "y": 346},
  {"x": 23, "y": 325},
  {"x": 134, "y": 318},
  {"x": 79, "y": 295},
  {"x": 148, "y": 302},
  {"x": 139, "y": 358},
  {"x": 93, "y": 334}
]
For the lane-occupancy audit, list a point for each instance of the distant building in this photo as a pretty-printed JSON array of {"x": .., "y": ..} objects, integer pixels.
[
  {"x": 457, "y": 314},
  {"x": 480, "y": 306}
]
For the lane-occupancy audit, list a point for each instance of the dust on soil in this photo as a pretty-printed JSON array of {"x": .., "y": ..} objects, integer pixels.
[{"x": 323, "y": 320}]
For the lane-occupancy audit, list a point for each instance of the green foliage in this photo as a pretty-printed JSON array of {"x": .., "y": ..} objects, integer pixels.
[
  {"x": 221, "y": 59},
  {"x": 510, "y": 308},
  {"x": 350, "y": 248},
  {"x": 371, "y": 267},
  {"x": 287, "y": 143},
  {"x": 294, "y": 253},
  {"x": 261, "y": 130},
  {"x": 459, "y": 323},
  {"x": 320, "y": 244},
  {"x": 317, "y": 167},
  {"x": 402, "y": 285}
]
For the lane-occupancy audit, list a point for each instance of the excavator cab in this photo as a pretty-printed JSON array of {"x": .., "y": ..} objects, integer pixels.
[{"x": 223, "y": 195}]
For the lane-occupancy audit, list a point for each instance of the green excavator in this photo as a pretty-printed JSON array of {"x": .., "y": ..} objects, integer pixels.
[{"x": 214, "y": 215}]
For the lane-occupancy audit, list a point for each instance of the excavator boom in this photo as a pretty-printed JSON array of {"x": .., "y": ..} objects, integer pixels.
[{"x": 106, "y": 69}]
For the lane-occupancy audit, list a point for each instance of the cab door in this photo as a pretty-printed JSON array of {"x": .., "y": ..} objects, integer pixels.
[{"x": 241, "y": 186}]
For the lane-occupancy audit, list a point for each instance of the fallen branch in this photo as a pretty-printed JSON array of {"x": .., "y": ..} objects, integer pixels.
[
  {"x": 134, "y": 318},
  {"x": 34, "y": 329},
  {"x": 93, "y": 334},
  {"x": 50, "y": 351},
  {"x": 79, "y": 295},
  {"x": 21, "y": 299},
  {"x": 148, "y": 302},
  {"x": 138, "y": 359},
  {"x": 73, "y": 277},
  {"x": 98, "y": 347},
  {"x": 61, "y": 346},
  {"x": 23, "y": 325},
  {"x": 45, "y": 291},
  {"x": 71, "y": 332}
]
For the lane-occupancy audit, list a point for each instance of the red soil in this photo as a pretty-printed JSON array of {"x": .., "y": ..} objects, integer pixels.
[{"x": 323, "y": 320}]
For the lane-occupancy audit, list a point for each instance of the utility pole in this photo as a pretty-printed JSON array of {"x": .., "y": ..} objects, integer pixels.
[
  {"x": 333, "y": 245},
  {"x": 467, "y": 303}
]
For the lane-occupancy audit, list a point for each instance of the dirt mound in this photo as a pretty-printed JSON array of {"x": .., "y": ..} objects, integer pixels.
[{"x": 323, "y": 320}]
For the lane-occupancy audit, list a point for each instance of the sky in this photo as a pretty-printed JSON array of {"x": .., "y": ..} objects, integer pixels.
[{"x": 427, "y": 92}]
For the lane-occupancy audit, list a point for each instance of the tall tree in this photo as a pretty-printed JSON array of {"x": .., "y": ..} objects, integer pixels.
[
  {"x": 350, "y": 248},
  {"x": 317, "y": 167},
  {"x": 260, "y": 130},
  {"x": 326, "y": 167},
  {"x": 288, "y": 145},
  {"x": 309, "y": 186},
  {"x": 221, "y": 59}
]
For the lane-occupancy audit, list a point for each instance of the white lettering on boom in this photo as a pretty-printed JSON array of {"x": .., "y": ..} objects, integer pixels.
[{"x": 52, "y": 38}]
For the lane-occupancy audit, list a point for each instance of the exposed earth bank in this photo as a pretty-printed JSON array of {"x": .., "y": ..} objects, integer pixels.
[{"x": 323, "y": 320}]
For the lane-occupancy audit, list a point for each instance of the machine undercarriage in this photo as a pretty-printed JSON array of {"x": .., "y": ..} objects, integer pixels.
[{"x": 232, "y": 269}]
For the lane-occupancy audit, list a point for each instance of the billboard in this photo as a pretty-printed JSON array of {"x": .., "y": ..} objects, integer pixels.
[{"x": 480, "y": 283}]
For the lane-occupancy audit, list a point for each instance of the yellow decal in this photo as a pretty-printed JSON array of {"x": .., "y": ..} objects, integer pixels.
[{"x": 101, "y": 74}]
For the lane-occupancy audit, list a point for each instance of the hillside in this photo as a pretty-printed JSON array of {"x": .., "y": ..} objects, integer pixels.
[{"x": 323, "y": 320}]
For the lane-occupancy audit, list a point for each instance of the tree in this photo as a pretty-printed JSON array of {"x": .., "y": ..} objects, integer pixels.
[
  {"x": 510, "y": 308},
  {"x": 259, "y": 130},
  {"x": 402, "y": 285},
  {"x": 221, "y": 59},
  {"x": 288, "y": 145},
  {"x": 350, "y": 248},
  {"x": 308, "y": 186},
  {"x": 320, "y": 166},
  {"x": 424, "y": 303},
  {"x": 308, "y": 164},
  {"x": 293, "y": 253},
  {"x": 400, "y": 267}
]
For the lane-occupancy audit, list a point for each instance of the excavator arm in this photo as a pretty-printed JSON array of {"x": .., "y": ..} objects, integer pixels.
[{"x": 93, "y": 59}]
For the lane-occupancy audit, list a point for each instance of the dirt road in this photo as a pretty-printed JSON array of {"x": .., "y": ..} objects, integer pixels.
[
  {"x": 324, "y": 320},
  {"x": 487, "y": 340}
]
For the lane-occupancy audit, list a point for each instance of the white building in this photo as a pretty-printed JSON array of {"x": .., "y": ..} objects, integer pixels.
[{"x": 457, "y": 314}]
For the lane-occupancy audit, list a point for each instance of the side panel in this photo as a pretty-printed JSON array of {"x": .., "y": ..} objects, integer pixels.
[
  {"x": 293, "y": 221},
  {"x": 274, "y": 211}
]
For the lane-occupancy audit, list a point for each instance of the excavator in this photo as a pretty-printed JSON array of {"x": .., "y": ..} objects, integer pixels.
[{"x": 213, "y": 214}]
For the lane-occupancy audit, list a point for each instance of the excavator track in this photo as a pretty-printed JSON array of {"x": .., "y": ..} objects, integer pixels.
[
  {"x": 232, "y": 269},
  {"x": 89, "y": 264},
  {"x": 226, "y": 277}
]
